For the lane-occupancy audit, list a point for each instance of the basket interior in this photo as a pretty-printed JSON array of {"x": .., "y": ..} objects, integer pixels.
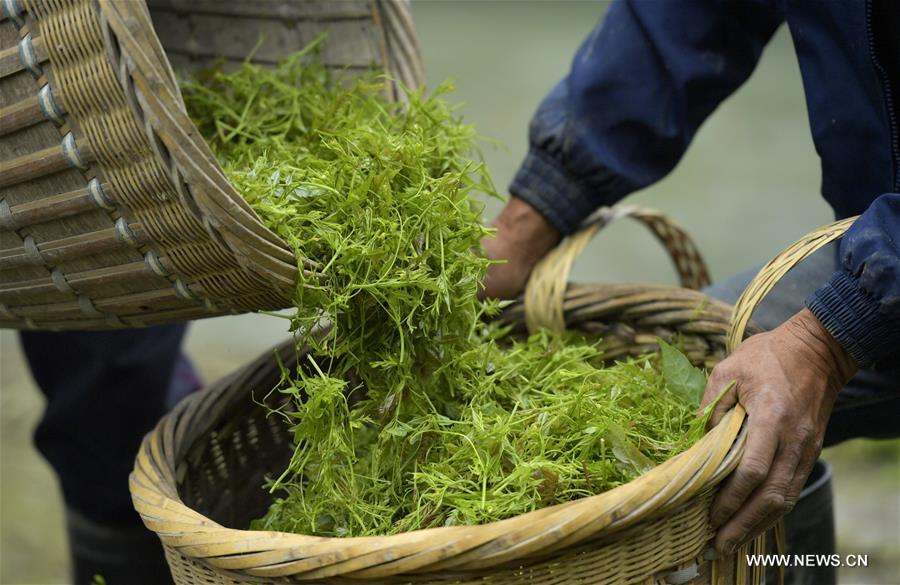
[
  {"x": 197, "y": 33},
  {"x": 218, "y": 446},
  {"x": 225, "y": 466}
]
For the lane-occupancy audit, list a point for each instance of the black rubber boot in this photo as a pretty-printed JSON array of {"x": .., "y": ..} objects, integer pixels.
[
  {"x": 120, "y": 555},
  {"x": 809, "y": 529}
]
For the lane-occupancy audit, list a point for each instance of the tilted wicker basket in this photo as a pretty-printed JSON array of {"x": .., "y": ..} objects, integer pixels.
[
  {"x": 197, "y": 476},
  {"x": 113, "y": 211}
]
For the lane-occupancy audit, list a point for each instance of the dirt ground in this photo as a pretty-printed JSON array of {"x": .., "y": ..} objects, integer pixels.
[{"x": 748, "y": 187}]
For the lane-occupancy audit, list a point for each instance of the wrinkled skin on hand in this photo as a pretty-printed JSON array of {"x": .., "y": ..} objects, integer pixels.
[
  {"x": 787, "y": 380},
  {"x": 522, "y": 238}
]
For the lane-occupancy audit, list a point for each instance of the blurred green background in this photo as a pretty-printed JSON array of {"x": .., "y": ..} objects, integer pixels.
[{"x": 747, "y": 187}]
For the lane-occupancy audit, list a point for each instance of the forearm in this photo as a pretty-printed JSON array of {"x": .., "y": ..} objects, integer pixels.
[
  {"x": 831, "y": 358},
  {"x": 528, "y": 230},
  {"x": 639, "y": 88},
  {"x": 860, "y": 304},
  {"x": 523, "y": 237}
]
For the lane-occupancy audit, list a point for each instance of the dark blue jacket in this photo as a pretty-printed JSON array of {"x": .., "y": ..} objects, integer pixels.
[{"x": 647, "y": 77}]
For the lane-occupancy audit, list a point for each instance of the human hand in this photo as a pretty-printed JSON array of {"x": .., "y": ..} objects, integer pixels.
[
  {"x": 787, "y": 380},
  {"x": 522, "y": 238}
]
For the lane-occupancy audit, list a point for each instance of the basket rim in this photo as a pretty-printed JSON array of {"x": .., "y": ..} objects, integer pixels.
[
  {"x": 146, "y": 73},
  {"x": 529, "y": 536}
]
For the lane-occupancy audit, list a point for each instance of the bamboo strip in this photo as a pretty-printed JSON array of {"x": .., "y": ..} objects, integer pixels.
[
  {"x": 62, "y": 250},
  {"x": 45, "y": 162},
  {"x": 11, "y": 61},
  {"x": 20, "y": 115},
  {"x": 49, "y": 209}
]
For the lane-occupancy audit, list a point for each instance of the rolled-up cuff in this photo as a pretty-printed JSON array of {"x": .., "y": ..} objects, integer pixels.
[
  {"x": 544, "y": 183},
  {"x": 855, "y": 319}
]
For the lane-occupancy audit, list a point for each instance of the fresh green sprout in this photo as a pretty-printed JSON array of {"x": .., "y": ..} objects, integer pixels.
[{"x": 417, "y": 411}]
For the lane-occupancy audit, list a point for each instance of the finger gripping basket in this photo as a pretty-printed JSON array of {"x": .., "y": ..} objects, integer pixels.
[
  {"x": 113, "y": 210},
  {"x": 197, "y": 476}
]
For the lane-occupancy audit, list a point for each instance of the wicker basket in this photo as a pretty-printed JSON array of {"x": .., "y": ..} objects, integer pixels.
[
  {"x": 113, "y": 211},
  {"x": 196, "y": 477}
]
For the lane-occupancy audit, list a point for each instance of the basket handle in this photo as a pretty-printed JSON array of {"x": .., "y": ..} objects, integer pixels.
[
  {"x": 769, "y": 275},
  {"x": 546, "y": 286}
]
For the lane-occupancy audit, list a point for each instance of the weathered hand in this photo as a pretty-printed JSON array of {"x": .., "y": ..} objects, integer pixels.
[
  {"x": 787, "y": 380},
  {"x": 523, "y": 237}
]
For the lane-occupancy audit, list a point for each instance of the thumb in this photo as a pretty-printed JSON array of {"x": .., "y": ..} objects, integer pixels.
[{"x": 721, "y": 390}]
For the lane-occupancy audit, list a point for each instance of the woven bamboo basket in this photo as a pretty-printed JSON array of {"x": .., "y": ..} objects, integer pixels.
[
  {"x": 197, "y": 476},
  {"x": 113, "y": 210}
]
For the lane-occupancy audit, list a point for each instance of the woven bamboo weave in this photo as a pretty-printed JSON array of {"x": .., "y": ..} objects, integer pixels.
[
  {"x": 200, "y": 473},
  {"x": 196, "y": 482},
  {"x": 113, "y": 211}
]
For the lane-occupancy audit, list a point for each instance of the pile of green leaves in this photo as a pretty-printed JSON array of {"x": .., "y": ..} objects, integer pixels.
[{"x": 417, "y": 411}]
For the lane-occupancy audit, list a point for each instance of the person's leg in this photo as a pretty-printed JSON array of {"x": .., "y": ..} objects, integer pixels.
[
  {"x": 866, "y": 407},
  {"x": 105, "y": 391}
]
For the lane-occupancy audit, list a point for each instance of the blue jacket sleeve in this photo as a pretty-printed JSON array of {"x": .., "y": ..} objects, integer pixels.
[
  {"x": 860, "y": 304},
  {"x": 639, "y": 87}
]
